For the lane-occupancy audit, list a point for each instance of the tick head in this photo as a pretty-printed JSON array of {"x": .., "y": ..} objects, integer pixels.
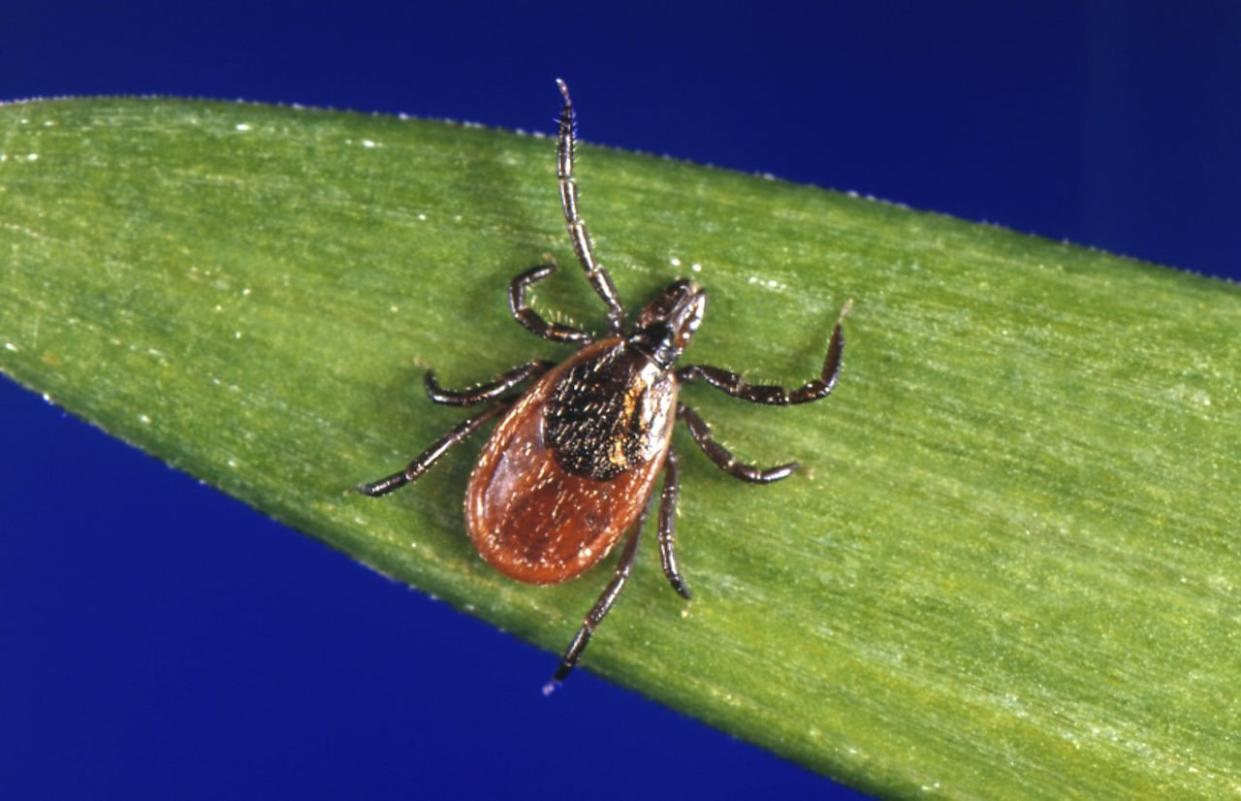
[{"x": 666, "y": 324}]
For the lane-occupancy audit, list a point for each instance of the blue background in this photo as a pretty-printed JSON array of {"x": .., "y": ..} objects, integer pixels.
[{"x": 159, "y": 640}]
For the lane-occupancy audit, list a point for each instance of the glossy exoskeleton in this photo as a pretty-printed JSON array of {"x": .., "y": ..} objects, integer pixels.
[{"x": 572, "y": 465}]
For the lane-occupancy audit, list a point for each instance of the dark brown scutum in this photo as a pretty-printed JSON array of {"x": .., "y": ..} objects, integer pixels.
[{"x": 602, "y": 414}]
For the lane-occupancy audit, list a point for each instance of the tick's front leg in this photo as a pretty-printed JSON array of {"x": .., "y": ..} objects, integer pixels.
[
  {"x": 582, "y": 246},
  {"x": 735, "y": 385}
]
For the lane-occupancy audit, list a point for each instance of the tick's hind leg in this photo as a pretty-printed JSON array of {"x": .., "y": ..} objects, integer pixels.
[
  {"x": 420, "y": 465},
  {"x": 482, "y": 393},
  {"x": 529, "y": 318},
  {"x": 736, "y": 386},
  {"x": 723, "y": 458},
  {"x": 602, "y": 606},
  {"x": 668, "y": 526}
]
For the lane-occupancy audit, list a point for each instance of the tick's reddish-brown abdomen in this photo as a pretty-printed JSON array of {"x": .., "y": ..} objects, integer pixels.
[{"x": 534, "y": 521}]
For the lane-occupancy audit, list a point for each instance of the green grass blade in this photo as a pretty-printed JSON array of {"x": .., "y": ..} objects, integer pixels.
[{"x": 1010, "y": 570}]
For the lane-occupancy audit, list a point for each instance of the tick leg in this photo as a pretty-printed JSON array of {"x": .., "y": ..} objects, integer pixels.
[
  {"x": 736, "y": 386},
  {"x": 428, "y": 457},
  {"x": 529, "y": 318},
  {"x": 595, "y": 273},
  {"x": 482, "y": 393},
  {"x": 602, "y": 606},
  {"x": 723, "y": 459},
  {"x": 668, "y": 527}
]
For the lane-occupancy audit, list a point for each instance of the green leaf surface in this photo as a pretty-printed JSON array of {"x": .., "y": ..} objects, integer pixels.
[{"x": 1010, "y": 568}]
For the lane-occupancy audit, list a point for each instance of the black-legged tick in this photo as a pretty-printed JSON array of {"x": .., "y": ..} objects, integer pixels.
[{"x": 573, "y": 462}]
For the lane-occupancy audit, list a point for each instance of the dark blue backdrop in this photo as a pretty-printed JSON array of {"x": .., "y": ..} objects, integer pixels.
[{"x": 238, "y": 659}]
